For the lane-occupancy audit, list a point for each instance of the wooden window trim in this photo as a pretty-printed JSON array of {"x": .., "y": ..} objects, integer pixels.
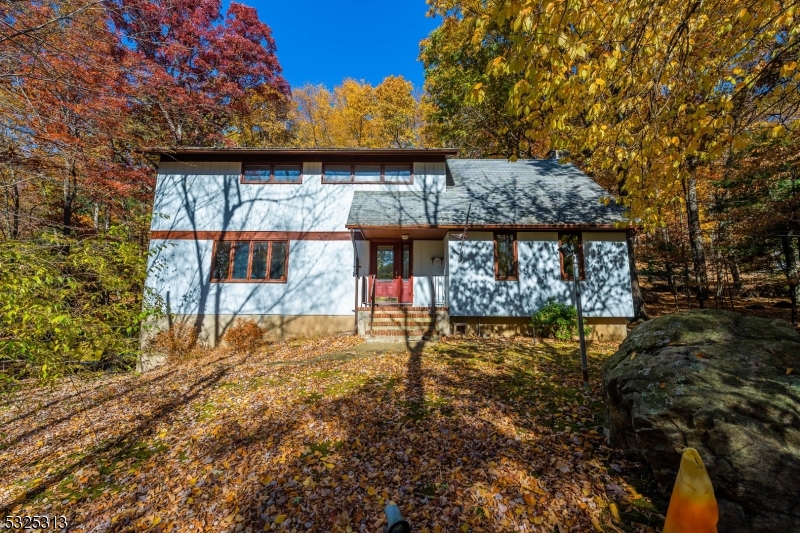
[
  {"x": 382, "y": 181},
  {"x": 581, "y": 265},
  {"x": 228, "y": 279},
  {"x": 271, "y": 180},
  {"x": 497, "y": 276}
]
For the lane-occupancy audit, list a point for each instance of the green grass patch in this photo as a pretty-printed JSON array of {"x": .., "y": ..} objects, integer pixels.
[{"x": 205, "y": 411}]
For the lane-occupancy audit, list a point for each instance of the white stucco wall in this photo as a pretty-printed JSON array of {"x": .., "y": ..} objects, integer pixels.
[
  {"x": 424, "y": 269},
  {"x": 319, "y": 282},
  {"x": 209, "y": 197},
  {"x": 475, "y": 292}
]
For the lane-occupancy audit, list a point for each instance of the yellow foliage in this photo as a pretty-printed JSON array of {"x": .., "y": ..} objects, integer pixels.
[
  {"x": 671, "y": 87},
  {"x": 357, "y": 115}
]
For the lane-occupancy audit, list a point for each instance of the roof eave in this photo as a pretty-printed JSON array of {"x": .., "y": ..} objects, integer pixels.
[{"x": 519, "y": 227}]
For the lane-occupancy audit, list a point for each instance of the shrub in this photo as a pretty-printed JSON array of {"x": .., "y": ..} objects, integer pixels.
[
  {"x": 556, "y": 320},
  {"x": 69, "y": 303},
  {"x": 178, "y": 342},
  {"x": 244, "y": 335}
]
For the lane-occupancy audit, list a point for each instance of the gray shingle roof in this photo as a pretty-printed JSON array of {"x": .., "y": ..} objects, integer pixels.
[{"x": 529, "y": 192}]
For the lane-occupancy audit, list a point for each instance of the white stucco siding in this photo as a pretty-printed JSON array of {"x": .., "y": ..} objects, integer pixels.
[
  {"x": 475, "y": 292},
  {"x": 363, "y": 257},
  {"x": 319, "y": 281},
  {"x": 209, "y": 197},
  {"x": 607, "y": 289},
  {"x": 424, "y": 268}
]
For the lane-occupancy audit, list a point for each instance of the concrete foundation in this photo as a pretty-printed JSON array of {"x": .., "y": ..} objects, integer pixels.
[
  {"x": 603, "y": 329},
  {"x": 608, "y": 329},
  {"x": 212, "y": 328}
]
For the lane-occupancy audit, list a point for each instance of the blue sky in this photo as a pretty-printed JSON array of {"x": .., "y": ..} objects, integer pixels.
[{"x": 325, "y": 42}]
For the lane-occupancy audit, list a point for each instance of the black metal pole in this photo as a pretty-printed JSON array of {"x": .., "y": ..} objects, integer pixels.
[{"x": 575, "y": 276}]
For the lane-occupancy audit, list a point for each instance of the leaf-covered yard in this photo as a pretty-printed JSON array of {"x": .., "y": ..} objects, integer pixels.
[{"x": 317, "y": 435}]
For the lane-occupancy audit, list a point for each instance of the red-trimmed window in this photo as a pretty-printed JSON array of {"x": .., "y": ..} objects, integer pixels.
[
  {"x": 574, "y": 242},
  {"x": 250, "y": 261},
  {"x": 273, "y": 173},
  {"x": 398, "y": 174},
  {"x": 505, "y": 256}
]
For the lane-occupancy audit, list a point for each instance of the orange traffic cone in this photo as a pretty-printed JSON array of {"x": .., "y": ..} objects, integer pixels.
[{"x": 692, "y": 507}]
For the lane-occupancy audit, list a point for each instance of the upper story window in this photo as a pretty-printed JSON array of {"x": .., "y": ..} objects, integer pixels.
[
  {"x": 250, "y": 261},
  {"x": 400, "y": 174},
  {"x": 275, "y": 173},
  {"x": 574, "y": 242},
  {"x": 505, "y": 256}
]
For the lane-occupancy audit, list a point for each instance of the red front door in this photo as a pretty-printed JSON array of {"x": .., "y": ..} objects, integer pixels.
[{"x": 391, "y": 266}]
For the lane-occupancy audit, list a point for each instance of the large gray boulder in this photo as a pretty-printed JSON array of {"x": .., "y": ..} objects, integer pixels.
[{"x": 716, "y": 381}]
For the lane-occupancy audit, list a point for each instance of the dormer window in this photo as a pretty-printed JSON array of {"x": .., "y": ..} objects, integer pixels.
[
  {"x": 399, "y": 174},
  {"x": 274, "y": 173}
]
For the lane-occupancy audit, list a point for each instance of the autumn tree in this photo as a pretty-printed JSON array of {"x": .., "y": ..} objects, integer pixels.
[
  {"x": 265, "y": 123},
  {"x": 356, "y": 114},
  {"x": 759, "y": 205},
  {"x": 455, "y": 62},
  {"x": 647, "y": 93},
  {"x": 63, "y": 102},
  {"x": 83, "y": 84},
  {"x": 203, "y": 69}
]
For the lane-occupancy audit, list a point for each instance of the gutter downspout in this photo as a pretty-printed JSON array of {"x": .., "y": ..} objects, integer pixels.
[{"x": 355, "y": 276}]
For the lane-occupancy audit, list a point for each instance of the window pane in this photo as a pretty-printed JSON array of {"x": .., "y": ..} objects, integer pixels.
[
  {"x": 398, "y": 173},
  {"x": 368, "y": 173},
  {"x": 288, "y": 173},
  {"x": 572, "y": 243},
  {"x": 277, "y": 265},
  {"x": 505, "y": 256},
  {"x": 406, "y": 261},
  {"x": 337, "y": 173},
  {"x": 256, "y": 173},
  {"x": 222, "y": 261},
  {"x": 385, "y": 262},
  {"x": 241, "y": 254},
  {"x": 258, "y": 270}
]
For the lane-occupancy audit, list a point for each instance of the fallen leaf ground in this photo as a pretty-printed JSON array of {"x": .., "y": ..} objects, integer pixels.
[{"x": 317, "y": 435}]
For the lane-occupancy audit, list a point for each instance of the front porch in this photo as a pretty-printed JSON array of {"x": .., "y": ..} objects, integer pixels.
[{"x": 401, "y": 284}]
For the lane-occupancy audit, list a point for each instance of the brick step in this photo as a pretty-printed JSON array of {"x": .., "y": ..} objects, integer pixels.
[
  {"x": 403, "y": 327},
  {"x": 398, "y": 333},
  {"x": 401, "y": 315},
  {"x": 402, "y": 309},
  {"x": 412, "y": 338},
  {"x": 404, "y": 320}
]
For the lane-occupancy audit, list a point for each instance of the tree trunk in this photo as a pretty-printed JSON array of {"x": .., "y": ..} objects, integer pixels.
[
  {"x": 70, "y": 193},
  {"x": 696, "y": 240},
  {"x": 11, "y": 207},
  {"x": 733, "y": 262},
  {"x": 639, "y": 312},
  {"x": 792, "y": 256}
]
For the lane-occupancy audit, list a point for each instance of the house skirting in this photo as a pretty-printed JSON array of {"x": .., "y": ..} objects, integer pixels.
[
  {"x": 213, "y": 327},
  {"x": 603, "y": 329},
  {"x": 608, "y": 329}
]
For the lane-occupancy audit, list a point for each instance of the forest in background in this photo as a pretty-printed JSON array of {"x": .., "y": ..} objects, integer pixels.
[{"x": 686, "y": 112}]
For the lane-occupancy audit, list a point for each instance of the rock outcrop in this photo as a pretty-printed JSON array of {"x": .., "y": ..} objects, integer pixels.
[{"x": 727, "y": 385}]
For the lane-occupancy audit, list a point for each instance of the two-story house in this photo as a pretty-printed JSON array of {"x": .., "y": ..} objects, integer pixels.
[{"x": 389, "y": 242}]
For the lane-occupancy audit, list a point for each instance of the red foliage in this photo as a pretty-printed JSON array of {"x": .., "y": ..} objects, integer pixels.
[
  {"x": 199, "y": 63},
  {"x": 83, "y": 84}
]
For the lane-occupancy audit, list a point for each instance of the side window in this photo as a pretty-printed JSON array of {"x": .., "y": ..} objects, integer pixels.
[
  {"x": 398, "y": 174},
  {"x": 250, "y": 261},
  {"x": 277, "y": 173},
  {"x": 573, "y": 242},
  {"x": 505, "y": 256}
]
